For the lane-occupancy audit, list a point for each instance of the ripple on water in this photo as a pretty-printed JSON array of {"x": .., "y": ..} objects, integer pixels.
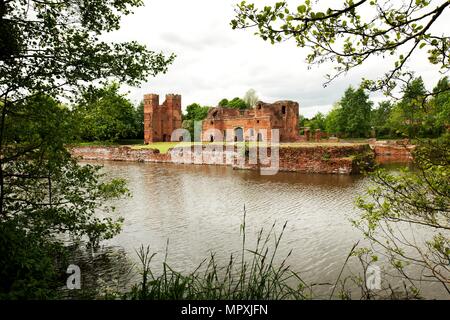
[{"x": 200, "y": 209}]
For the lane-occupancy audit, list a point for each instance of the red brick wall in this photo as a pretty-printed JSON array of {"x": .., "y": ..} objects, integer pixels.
[
  {"x": 119, "y": 154},
  {"x": 334, "y": 160},
  {"x": 281, "y": 115},
  {"x": 317, "y": 159},
  {"x": 392, "y": 151}
]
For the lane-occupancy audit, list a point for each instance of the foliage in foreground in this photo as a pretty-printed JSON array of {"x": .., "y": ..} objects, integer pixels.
[
  {"x": 256, "y": 274},
  {"x": 50, "y": 51},
  {"x": 407, "y": 215},
  {"x": 257, "y": 278},
  {"x": 47, "y": 197},
  {"x": 347, "y": 33}
]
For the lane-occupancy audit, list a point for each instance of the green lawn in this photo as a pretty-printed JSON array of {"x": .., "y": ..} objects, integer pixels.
[
  {"x": 163, "y": 147},
  {"x": 126, "y": 142},
  {"x": 95, "y": 144}
]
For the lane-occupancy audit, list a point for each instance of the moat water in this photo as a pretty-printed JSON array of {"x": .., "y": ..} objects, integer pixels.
[{"x": 197, "y": 210}]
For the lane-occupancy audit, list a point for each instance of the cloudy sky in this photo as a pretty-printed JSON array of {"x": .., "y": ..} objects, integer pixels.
[{"x": 214, "y": 62}]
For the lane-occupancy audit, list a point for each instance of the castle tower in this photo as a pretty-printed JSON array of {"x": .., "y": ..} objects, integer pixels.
[
  {"x": 161, "y": 120},
  {"x": 151, "y": 102},
  {"x": 173, "y": 103}
]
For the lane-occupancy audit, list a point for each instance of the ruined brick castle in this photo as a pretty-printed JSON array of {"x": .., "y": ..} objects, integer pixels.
[
  {"x": 253, "y": 124},
  {"x": 161, "y": 120},
  {"x": 229, "y": 124}
]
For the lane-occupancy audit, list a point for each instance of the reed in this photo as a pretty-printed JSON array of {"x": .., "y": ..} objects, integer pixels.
[{"x": 254, "y": 275}]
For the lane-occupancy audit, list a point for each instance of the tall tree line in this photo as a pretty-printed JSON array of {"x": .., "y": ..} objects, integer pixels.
[{"x": 415, "y": 115}]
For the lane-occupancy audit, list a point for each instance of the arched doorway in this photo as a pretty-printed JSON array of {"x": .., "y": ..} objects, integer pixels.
[
  {"x": 238, "y": 134},
  {"x": 259, "y": 137}
]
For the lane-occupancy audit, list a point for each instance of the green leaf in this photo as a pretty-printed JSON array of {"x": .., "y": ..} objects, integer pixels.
[{"x": 301, "y": 8}]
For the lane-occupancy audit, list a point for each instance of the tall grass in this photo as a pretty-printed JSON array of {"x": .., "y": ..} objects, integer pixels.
[
  {"x": 253, "y": 275},
  {"x": 256, "y": 274}
]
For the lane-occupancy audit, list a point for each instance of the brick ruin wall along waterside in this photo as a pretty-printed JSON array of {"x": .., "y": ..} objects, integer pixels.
[{"x": 314, "y": 159}]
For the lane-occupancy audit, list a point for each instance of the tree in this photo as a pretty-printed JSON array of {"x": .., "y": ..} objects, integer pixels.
[
  {"x": 332, "y": 125},
  {"x": 317, "y": 122},
  {"x": 401, "y": 206},
  {"x": 380, "y": 119},
  {"x": 46, "y": 195},
  {"x": 440, "y": 107},
  {"x": 238, "y": 103},
  {"x": 223, "y": 103},
  {"x": 139, "y": 120},
  {"x": 409, "y": 113},
  {"x": 194, "y": 112},
  {"x": 251, "y": 98},
  {"x": 302, "y": 120},
  {"x": 54, "y": 48},
  {"x": 347, "y": 37},
  {"x": 106, "y": 115},
  {"x": 354, "y": 118},
  {"x": 50, "y": 51},
  {"x": 352, "y": 33}
]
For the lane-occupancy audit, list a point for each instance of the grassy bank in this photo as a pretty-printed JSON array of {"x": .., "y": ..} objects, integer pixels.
[
  {"x": 110, "y": 143},
  {"x": 163, "y": 147}
]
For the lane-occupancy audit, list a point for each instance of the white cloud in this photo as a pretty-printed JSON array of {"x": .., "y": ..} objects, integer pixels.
[{"x": 213, "y": 61}]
